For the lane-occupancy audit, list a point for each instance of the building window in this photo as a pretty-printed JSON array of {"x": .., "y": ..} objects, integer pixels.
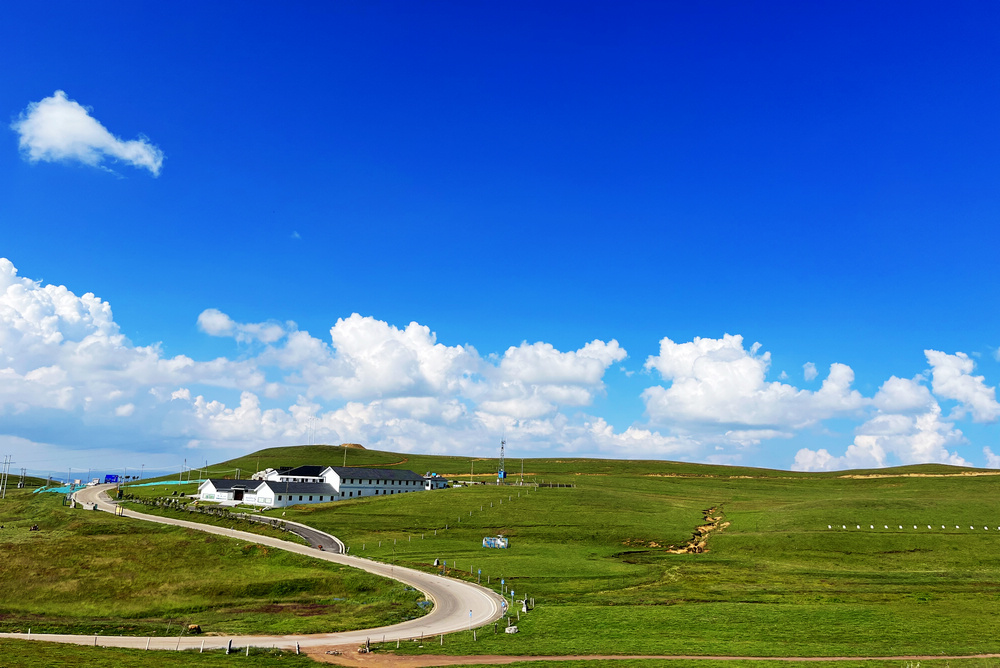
[
  {"x": 300, "y": 497},
  {"x": 279, "y": 497},
  {"x": 310, "y": 497}
]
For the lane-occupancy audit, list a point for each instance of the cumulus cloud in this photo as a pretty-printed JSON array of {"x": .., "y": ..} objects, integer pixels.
[
  {"x": 992, "y": 460},
  {"x": 909, "y": 439},
  {"x": 370, "y": 381},
  {"x": 63, "y": 351},
  {"x": 57, "y": 129},
  {"x": 903, "y": 395},
  {"x": 907, "y": 427},
  {"x": 63, "y": 358},
  {"x": 216, "y": 323},
  {"x": 809, "y": 371},
  {"x": 951, "y": 378},
  {"x": 719, "y": 382}
]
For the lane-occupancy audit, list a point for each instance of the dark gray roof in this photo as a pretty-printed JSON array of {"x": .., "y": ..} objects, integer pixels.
[
  {"x": 308, "y": 471},
  {"x": 279, "y": 487},
  {"x": 222, "y": 484},
  {"x": 376, "y": 474}
]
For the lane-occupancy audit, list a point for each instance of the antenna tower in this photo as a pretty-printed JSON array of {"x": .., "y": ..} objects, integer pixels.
[{"x": 501, "y": 473}]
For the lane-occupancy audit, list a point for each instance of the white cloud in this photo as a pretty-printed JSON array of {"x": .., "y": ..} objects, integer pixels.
[
  {"x": 63, "y": 358},
  {"x": 63, "y": 351},
  {"x": 718, "y": 382},
  {"x": 216, "y": 323},
  {"x": 908, "y": 439},
  {"x": 992, "y": 460},
  {"x": 906, "y": 429},
  {"x": 57, "y": 129},
  {"x": 541, "y": 363},
  {"x": 902, "y": 395},
  {"x": 809, "y": 371},
  {"x": 951, "y": 378}
]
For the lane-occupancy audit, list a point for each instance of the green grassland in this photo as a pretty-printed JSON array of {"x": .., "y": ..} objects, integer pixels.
[
  {"x": 774, "y": 582},
  {"x": 29, "y": 654},
  {"x": 91, "y": 572},
  {"x": 32, "y": 653}
]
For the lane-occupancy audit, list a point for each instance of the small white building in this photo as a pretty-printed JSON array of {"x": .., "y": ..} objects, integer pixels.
[
  {"x": 434, "y": 481},
  {"x": 221, "y": 491}
]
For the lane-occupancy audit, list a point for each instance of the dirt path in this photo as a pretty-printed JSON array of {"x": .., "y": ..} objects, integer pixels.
[
  {"x": 350, "y": 657},
  {"x": 699, "y": 540}
]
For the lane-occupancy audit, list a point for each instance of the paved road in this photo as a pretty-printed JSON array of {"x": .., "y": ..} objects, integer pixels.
[
  {"x": 457, "y": 605},
  {"x": 316, "y": 538}
]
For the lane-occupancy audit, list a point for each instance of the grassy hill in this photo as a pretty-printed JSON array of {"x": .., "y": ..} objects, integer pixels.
[
  {"x": 92, "y": 572},
  {"x": 598, "y": 557},
  {"x": 560, "y": 469}
]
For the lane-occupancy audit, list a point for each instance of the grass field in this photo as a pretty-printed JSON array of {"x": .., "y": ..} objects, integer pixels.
[
  {"x": 90, "y": 572},
  {"x": 774, "y": 582},
  {"x": 31, "y": 654}
]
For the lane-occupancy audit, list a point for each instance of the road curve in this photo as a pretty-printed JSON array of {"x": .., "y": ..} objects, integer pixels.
[{"x": 458, "y": 605}]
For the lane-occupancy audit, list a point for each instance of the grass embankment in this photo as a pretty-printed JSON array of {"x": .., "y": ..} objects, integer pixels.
[
  {"x": 90, "y": 572},
  {"x": 180, "y": 502},
  {"x": 31, "y": 654},
  {"x": 775, "y": 582}
]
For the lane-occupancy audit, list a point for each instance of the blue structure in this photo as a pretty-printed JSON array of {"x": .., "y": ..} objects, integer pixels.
[
  {"x": 112, "y": 478},
  {"x": 496, "y": 541}
]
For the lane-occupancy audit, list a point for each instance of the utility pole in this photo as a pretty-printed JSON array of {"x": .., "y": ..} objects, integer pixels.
[{"x": 3, "y": 476}]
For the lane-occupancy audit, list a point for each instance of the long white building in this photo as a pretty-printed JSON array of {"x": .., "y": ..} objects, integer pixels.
[{"x": 277, "y": 488}]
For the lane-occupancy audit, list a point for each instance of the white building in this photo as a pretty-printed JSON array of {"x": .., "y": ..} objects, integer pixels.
[
  {"x": 316, "y": 484},
  {"x": 276, "y": 494},
  {"x": 221, "y": 491}
]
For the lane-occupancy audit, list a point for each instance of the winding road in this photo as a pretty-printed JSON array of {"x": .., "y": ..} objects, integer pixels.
[{"x": 458, "y": 605}]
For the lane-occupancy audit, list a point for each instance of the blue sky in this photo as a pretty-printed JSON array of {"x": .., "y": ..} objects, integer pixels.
[{"x": 574, "y": 202}]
